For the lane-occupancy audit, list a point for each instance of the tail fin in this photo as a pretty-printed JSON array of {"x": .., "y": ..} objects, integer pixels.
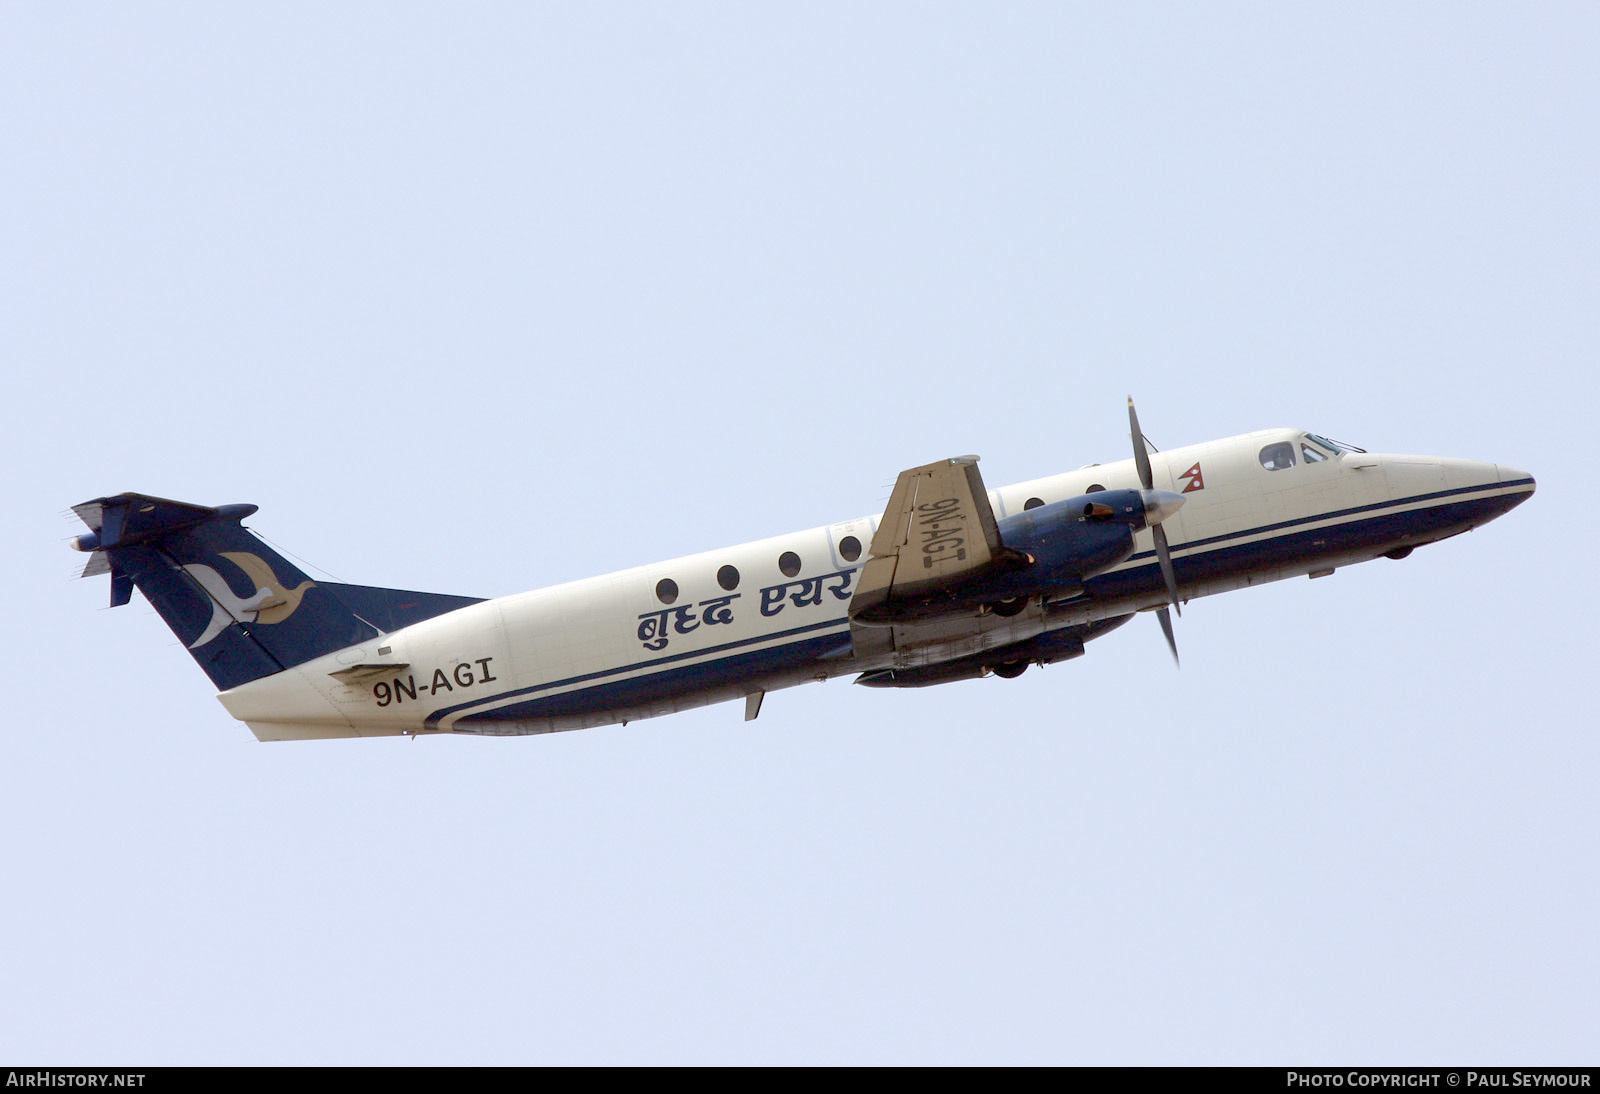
[{"x": 242, "y": 610}]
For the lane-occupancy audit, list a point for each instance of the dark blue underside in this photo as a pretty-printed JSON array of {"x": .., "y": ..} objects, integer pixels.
[
  {"x": 1304, "y": 548},
  {"x": 669, "y": 684}
]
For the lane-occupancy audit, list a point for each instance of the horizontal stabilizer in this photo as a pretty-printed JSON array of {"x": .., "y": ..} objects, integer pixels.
[
  {"x": 125, "y": 520},
  {"x": 360, "y": 674}
]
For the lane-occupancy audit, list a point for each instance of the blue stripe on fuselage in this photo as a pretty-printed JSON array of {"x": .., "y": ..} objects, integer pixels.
[
  {"x": 1304, "y": 547},
  {"x": 781, "y": 657},
  {"x": 1506, "y": 493}
]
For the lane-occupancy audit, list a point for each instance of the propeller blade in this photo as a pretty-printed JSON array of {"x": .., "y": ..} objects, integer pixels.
[
  {"x": 1166, "y": 629},
  {"x": 1141, "y": 458},
  {"x": 1164, "y": 557}
]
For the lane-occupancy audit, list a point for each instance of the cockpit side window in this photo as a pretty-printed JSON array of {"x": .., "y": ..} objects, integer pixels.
[
  {"x": 1312, "y": 454},
  {"x": 1278, "y": 457}
]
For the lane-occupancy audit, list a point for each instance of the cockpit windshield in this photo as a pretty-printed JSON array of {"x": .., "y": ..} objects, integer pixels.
[
  {"x": 1313, "y": 448},
  {"x": 1333, "y": 446}
]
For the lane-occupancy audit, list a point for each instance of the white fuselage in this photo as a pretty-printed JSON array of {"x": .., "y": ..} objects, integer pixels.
[{"x": 608, "y": 649}]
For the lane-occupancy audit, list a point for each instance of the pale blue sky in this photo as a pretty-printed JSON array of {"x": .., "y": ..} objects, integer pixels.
[{"x": 484, "y": 297}]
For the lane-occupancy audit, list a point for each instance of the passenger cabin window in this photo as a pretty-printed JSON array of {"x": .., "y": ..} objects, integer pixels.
[
  {"x": 666, "y": 590},
  {"x": 1278, "y": 457},
  {"x": 849, "y": 548},
  {"x": 728, "y": 578},
  {"x": 1033, "y": 503},
  {"x": 1311, "y": 454},
  {"x": 789, "y": 563}
]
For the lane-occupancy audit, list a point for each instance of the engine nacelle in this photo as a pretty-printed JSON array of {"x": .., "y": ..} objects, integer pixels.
[
  {"x": 1076, "y": 538},
  {"x": 1049, "y": 551}
]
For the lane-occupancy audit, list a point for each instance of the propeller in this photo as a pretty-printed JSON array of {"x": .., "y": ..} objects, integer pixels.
[{"x": 1141, "y": 460}]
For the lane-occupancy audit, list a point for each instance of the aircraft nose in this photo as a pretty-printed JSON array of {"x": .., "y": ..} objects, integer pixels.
[{"x": 1512, "y": 475}]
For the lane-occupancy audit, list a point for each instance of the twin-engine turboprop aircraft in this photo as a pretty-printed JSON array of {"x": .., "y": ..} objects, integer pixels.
[{"x": 951, "y": 582}]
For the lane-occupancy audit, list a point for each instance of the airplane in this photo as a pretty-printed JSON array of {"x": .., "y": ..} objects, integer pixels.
[{"x": 953, "y": 581}]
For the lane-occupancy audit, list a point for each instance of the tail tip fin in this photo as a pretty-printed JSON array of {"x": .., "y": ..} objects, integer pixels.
[{"x": 129, "y": 519}]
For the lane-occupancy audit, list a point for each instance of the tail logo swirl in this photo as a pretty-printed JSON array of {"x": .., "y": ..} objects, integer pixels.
[{"x": 270, "y": 603}]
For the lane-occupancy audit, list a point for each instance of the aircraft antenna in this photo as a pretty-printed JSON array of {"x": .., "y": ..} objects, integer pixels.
[{"x": 304, "y": 561}]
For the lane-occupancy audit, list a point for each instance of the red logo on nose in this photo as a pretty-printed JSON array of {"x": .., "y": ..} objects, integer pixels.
[{"x": 1196, "y": 480}]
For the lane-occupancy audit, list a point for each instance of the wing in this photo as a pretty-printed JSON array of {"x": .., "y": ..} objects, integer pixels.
[{"x": 937, "y": 535}]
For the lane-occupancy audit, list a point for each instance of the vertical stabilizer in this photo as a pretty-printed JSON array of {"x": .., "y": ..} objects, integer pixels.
[{"x": 241, "y": 609}]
